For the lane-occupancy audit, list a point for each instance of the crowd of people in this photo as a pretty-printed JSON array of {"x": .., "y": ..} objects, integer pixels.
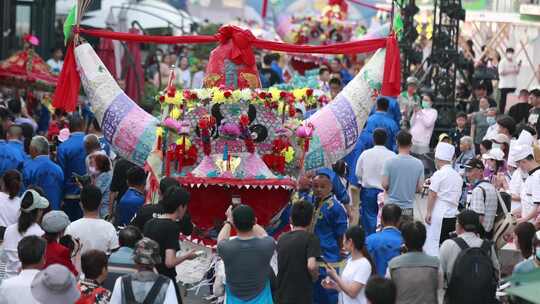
[{"x": 77, "y": 227}]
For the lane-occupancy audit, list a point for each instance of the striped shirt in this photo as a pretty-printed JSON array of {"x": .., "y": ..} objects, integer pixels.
[{"x": 484, "y": 201}]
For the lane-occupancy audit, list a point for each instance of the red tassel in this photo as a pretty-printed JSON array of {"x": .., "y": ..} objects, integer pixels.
[
  {"x": 264, "y": 8},
  {"x": 69, "y": 83}
]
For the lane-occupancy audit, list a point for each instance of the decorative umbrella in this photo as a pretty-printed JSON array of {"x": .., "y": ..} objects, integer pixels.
[
  {"x": 26, "y": 68},
  {"x": 133, "y": 71}
]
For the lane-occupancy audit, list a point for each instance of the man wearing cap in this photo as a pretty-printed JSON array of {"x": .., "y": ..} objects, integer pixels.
[
  {"x": 41, "y": 171},
  {"x": 71, "y": 158},
  {"x": 54, "y": 224},
  {"x": 135, "y": 288},
  {"x": 409, "y": 99},
  {"x": 443, "y": 199},
  {"x": 55, "y": 284},
  {"x": 329, "y": 224},
  {"x": 483, "y": 197},
  {"x": 339, "y": 191},
  {"x": 467, "y": 229},
  {"x": 530, "y": 195},
  {"x": 31, "y": 250}
]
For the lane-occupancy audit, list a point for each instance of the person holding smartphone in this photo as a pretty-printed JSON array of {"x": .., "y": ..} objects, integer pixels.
[{"x": 356, "y": 273}]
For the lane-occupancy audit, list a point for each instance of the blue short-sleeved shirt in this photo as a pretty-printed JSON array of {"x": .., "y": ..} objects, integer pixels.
[
  {"x": 9, "y": 158},
  {"x": 71, "y": 158},
  {"x": 384, "y": 246},
  {"x": 330, "y": 226},
  {"x": 44, "y": 173},
  {"x": 128, "y": 205},
  {"x": 403, "y": 172},
  {"x": 18, "y": 147},
  {"x": 384, "y": 121}
]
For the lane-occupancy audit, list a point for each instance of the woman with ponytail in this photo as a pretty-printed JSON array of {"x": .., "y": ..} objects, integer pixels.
[
  {"x": 10, "y": 202},
  {"x": 33, "y": 206},
  {"x": 357, "y": 271}
]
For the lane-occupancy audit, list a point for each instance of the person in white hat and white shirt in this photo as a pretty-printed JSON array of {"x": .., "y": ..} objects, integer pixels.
[
  {"x": 495, "y": 166},
  {"x": 444, "y": 192},
  {"x": 530, "y": 194}
]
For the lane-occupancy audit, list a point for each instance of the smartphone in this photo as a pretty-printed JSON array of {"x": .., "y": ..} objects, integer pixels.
[{"x": 321, "y": 259}]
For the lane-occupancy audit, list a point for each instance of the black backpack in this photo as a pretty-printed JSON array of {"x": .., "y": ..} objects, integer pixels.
[{"x": 473, "y": 278}]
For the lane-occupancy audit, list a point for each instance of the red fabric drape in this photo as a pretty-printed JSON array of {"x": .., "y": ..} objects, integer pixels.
[
  {"x": 106, "y": 53},
  {"x": 69, "y": 79},
  {"x": 132, "y": 66},
  {"x": 69, "y": 83},
  {"x": 354, "y": 47},
  {"x": 264, "y": 8},
  {"x": 391, "y": 85}
]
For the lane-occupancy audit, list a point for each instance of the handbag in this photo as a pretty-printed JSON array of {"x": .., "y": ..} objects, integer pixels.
[{"x": 504, "y": 224}]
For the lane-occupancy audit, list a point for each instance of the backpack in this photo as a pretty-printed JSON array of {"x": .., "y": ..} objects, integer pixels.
[
  {"x": 150, "y": 298},
  {"x": 473, "y": 278}
]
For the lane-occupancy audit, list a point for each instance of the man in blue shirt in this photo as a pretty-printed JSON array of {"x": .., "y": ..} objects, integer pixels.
[
  {"x": 71, "y": 156},
  {"x": 394, "y": 110},
  {"x": 133, "y": 199},
  {"x": 338, "y": 189},
  {"x": 41, "y": 171},
  {"x": 14, "y": 139},
  {"x": 337, "y": 67},
  {"x": 386, "y": 244},
  {"x": 330, "y": 224},
  {"x": 380, "y": 119},
  {"x": 9, "y": 158}
]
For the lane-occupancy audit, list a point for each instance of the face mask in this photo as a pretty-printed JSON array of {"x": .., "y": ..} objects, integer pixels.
[
  {"x": 426, "y": 104},
  {"x": 509, "y": 56},
  {"x": 491, "y": 120}
]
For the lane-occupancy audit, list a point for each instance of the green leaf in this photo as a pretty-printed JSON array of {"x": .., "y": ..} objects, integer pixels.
[{"x": 69, "y": 23}]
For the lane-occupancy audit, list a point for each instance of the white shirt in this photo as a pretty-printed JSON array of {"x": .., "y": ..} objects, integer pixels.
[
  {"x": 94, "y": 234},
  {"x": 508, "y": 80},
  {"x": 422, "y": 124},
  {"x": 448, "y": 184},
  {"x": 516, "y": 184},
  {"x": 198, "y": 80},
  {"x": 369, "y": 168},
  {"x": 356, "y": 271},
  {"x": 11, "y": 240},
  {"x": 17, "y": 289},
  {"x": 9, "y": 209},
  {"x": 56, "y": 66},
  {"x": 530, "y": 194},
  {"x": 116, "y": 297},
  {"x": 184, "y": 78}
]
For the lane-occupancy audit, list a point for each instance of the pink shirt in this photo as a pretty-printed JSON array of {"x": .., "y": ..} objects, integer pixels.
[{"x": 422, "y": 124}]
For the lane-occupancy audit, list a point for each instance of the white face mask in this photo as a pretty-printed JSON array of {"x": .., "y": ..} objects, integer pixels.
[{"x": 509, "y": 56}]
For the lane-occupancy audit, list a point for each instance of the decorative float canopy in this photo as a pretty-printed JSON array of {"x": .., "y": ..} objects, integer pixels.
[
  {"x": 233, "y": 138},
  {"x": 25, "y": 68}
]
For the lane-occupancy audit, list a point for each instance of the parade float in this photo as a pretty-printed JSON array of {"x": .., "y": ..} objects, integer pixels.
[{"x": 230, "y": 139}]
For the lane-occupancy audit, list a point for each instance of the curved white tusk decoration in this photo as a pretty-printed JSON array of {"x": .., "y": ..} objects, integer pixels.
[{"x": 132, "y": 131}]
